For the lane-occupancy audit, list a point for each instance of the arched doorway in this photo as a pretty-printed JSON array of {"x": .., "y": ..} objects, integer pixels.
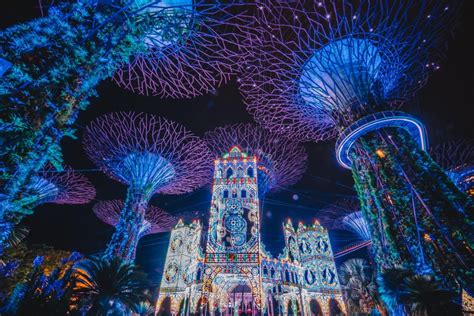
[
  {"x": 181, "y": 310},
  {"x": 293, "y": 308},
  {"x": 315, "y": 308},
  {"x": 241, "y": 301},
  {"x": 202, "y": 309},
  {"x": 334, "y": 308},
  {"x": 165, "y": 307}
]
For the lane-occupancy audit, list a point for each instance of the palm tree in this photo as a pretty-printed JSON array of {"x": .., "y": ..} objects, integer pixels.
[
  {"x": 425, "y": 297},
  {"x": 358, "y": 279},
  {"x": 144, "y": 309},
  {"x": 391, "y": 287},
  {"x": 109, "y": 286}
]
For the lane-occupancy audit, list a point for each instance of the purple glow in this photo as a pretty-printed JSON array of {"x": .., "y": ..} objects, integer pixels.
[
  {"x": 60, "y": 187},
  {"x": 282, "y": 160},
  {"x": 156, "y": 220}
]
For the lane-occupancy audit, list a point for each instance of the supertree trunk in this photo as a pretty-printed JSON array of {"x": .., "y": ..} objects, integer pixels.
[
  {"x": 433, "y": 217},
  {"x": 56, "y": 63},
  {"x": 130, "y": 227}
]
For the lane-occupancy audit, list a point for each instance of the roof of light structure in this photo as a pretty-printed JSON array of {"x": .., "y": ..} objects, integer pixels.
[
  {"x": 157, "y": 220},
  {"x": 60, "y": 187},
  {"x": 319, "y": 66},
  {"x": 281, "y": 161},
  {"x": 194, "y": 48},
  {"x": 148, "y": 152}
]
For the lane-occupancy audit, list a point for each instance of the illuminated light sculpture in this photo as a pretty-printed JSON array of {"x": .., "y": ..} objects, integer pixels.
[
  {"x": 150, "y": 155},
  {"x": 197, "y": 53},
  {"x": 331, "y": 69},
  {"x": 457, "y": 159},
  {"x": 155, "y": 221},
  {"x": 281, "y": 162},
  {"x": 233, "y": 274},
  {"x": 50, "y": 68}
]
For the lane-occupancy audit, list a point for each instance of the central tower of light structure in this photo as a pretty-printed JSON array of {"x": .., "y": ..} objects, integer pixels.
[
  {"x": 229, "y": 272},
  {"x": 233, "y": 246}
]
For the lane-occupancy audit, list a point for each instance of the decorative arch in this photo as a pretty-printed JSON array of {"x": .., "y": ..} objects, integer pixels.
[
  {"x": 335, "y": 308},
  {"x": 315, "y": 308},
  {"x": 165, "y": 307}
]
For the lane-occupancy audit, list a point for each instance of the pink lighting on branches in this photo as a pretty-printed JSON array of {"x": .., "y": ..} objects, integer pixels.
[
  {"x": 149, "y": 154},
  {"x": 197, "y": 50},
  {"x": 156, "y": 219},
  {"x": 282, "y": 161},
  {"x": 60, "y": 187}
]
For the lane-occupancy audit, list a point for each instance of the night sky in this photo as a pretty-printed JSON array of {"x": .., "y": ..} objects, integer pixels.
[{"x": 445, "y": 105}]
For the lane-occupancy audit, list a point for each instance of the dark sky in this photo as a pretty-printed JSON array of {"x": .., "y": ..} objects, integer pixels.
[{"x": 445, "y": 105}]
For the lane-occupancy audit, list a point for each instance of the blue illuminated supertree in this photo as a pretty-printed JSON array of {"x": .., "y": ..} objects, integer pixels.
[
  {"x": 197, "y": 51},
  {"x": 457, "y": 159},
  {"x": 50, "y": 67},
  {"x": 155, "y": 221},
  {"x": 281, "y": 161},
  {"x": 339, "y": 69},
  {"x": 150, "y": 155},
  {"x": 346, "y": 215}
]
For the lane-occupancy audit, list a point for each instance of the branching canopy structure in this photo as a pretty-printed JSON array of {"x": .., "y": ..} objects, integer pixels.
[
  {"x": 281, "y": 161},
  {"x": 151, "y": 155},
  {"x": 319, "y": 66},
  {"x": 338, "y": 68},
  {"x": 148, "y": 152},
  {"x": 195, "y": 48},
  {"x": 457, "y": 159},
  {"x": 59, "y": 187},
  {"x": 156, "y": 220}
]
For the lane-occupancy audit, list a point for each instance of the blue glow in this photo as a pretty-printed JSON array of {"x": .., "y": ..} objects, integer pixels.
[
  {"x": 356, "y": 223},
  {"x": 145, "y": 171},
  {"x": 4, "y": 66},
  {"x": 174, "y": 20},
  {"x": 463, "y": 178},
  {"x": 346, "y": 72},
  {"x": 376, "y": 122}
]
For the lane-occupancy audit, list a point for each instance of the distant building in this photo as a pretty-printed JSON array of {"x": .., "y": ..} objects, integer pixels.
[{"x": 234, "y": 275}]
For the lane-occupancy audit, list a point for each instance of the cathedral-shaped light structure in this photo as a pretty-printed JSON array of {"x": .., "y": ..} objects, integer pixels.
[
  {"x": 195, "y": 47},
  {"x": 149, "y": 154},
  {"x": 59, "y": 187},
  {"x": 337, "y": 69},
  {"x": 457, "y": 159},
  {"x": 155, "y": 221},
  {"x": 281, "y": 161}
]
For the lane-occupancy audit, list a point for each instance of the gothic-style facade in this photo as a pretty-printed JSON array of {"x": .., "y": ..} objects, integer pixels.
[{"x": 232, "y": 274}]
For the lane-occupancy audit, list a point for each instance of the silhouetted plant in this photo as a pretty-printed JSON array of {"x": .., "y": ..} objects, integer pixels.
[{"x": 107, "y": 287}]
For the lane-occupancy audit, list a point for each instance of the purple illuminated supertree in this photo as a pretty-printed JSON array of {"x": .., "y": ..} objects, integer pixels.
[
  {"x": 197, "y": 52},
  {"x": 155, "y": 221},
  {"x": 281, "y": 161},
  {"x": 149, "y": 154},
  {"x": 457, "y": 159},
  {"x": 58, "y": 187},
  {"x": 339, "y": 69}
]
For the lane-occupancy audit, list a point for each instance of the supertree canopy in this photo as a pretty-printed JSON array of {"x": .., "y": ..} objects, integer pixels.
[
  {"x": 457, "y": 159},
  {"x": 59, "y": 187},
  {"x": 50, "y": 67},
  {"x": 198, "y": 51},
  {"x": 155, "y": 221},
  {"x": 281, "y": 161},
  {"x": 150, "y": 155},
  {"x": 339, "y": 69}
]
